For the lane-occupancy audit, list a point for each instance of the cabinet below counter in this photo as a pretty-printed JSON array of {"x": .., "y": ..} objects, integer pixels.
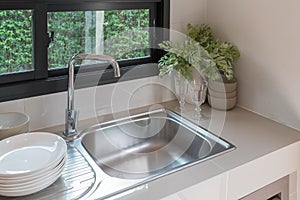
[{"x": 247, "y": 180}]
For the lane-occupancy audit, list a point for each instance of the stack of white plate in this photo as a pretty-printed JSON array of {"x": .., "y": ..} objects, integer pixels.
[{"x": 30, "y": 162}]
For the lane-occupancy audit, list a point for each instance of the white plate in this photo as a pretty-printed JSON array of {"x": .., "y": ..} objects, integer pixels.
[
  {"x": 27, "y": 177},
  {"x": 28, "y": 153},
  {"x": 19, "y": 184},
  {"x": 33, "y": 188},
  {"x": 35, "y": 183}
]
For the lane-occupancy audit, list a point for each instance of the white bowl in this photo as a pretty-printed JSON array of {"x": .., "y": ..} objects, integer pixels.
[
  {"x": 33, "y": 180},
  {"x": 33, "y": 187},
  {"x": 29, "y": 177},
  {"x": 30, "y": 153},
  {"x": 13, "y": 123}
]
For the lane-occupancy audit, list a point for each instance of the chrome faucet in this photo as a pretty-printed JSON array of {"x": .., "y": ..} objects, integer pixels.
[{"x": 70, "y": 132}]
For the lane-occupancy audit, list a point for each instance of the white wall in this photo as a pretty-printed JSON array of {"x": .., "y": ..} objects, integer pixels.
[
  {"x": 188, "y": 11},
  {"x": 267, "y": 32}
]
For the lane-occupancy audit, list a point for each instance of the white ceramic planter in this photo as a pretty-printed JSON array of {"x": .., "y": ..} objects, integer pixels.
[
  {"x": 225, "y": 86},
  {"x": 222, "y": 103},
  {"x": 222, "y": 94}
]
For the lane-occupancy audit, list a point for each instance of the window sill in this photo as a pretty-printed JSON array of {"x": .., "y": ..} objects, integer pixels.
[{"x": 27, "y": 89}]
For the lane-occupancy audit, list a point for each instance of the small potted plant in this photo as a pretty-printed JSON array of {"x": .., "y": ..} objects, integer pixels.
[
  {"x": 183, "y": 61},
  {"x": 223, "y": 90},
  {"x": 186, "y": 57}
]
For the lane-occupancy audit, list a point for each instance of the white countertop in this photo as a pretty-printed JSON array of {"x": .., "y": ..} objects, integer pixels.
[{"x": 254, "y": 137}]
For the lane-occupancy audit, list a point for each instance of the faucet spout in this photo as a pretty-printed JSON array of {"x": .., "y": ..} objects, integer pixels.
[
  {"x": 99, "y": 57},
  {"x": 70, "y": 132}
]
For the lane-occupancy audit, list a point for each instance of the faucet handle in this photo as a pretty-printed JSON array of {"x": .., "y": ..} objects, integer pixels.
[{"x": 71, "y": 124}]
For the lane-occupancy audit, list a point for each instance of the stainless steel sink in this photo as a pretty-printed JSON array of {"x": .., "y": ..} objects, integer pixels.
[
  {"x": 120, "y": 157},
  {"x": 150, "y": 145}
]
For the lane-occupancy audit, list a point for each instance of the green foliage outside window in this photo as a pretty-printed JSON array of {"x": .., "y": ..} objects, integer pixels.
[
  {"x": 124, "y": 33},
  {"x": 15, "y": 41},
  {"x": 68, "y": 28}
]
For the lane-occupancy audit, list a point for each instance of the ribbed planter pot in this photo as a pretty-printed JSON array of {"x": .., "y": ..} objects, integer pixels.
[{"x": 222, "y": 94}]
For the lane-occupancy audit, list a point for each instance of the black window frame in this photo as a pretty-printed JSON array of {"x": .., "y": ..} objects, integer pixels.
[{"x": 41, "y": 81}]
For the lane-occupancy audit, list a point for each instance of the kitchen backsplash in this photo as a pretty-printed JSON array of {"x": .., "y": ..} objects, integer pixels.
[{"x": 49, "y": 110}]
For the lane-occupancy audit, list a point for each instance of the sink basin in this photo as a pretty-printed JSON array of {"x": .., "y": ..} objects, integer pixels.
[{"x": 150, "y": 145}]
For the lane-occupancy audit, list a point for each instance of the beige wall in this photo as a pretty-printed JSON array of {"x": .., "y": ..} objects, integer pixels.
[
  {"x": 188, "y": 11},
  {"x": 267, "y": 33}
]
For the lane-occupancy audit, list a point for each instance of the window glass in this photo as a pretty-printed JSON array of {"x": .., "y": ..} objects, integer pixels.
[
  {"x": 122, "y": 34},
  {"x": 15, "y": 41}
]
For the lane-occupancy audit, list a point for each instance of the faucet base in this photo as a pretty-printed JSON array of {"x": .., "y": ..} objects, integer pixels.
[
  {"x": 68, "y": 137},
  {"x": 70, "y": 132}
]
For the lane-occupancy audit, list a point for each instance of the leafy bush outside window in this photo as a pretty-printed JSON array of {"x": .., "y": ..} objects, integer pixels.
[
  {"x": 15, "y": 41},
  {"x": 75, "y": 32}
]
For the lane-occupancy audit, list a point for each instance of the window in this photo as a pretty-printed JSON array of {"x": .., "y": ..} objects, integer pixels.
[{"x": 37, "y": 39}]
